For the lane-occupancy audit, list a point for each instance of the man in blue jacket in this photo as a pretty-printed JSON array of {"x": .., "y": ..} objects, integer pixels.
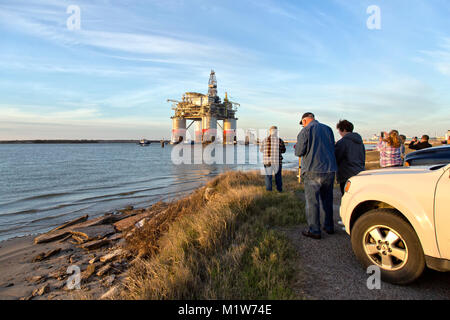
[{"x": 315, "y": 144}]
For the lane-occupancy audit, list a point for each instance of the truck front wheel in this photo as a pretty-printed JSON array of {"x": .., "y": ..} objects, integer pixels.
[{"x": 381, "y": 237}]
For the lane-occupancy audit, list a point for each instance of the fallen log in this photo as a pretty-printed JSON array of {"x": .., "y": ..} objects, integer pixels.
[
  {"x": 59, "y": 234},
  {"x": 51, "y": 236},
  {"x": 45, "y": 255},
  {"x": 92, "y": 232},
  {"x": 96, "y": 244},
  {"x": 71, "y": 223},
  {"x": 130, "y": 222},
  {"x": 111, "y": 256}
]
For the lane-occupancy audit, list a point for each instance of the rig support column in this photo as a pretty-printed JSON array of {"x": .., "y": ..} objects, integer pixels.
[
  {"x": 229, "y": 131},
  {"x": 198, "y": 131},
  {"x": 178, "y": 130},
  {"x": 209, "y": 129}
]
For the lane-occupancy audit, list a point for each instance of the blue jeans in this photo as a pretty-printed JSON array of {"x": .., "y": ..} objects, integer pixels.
[
  {"x": 319, "y": 199},
  {"x": 278, "y": 179}
]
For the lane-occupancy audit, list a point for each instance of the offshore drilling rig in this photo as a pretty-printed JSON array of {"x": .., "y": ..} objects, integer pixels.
[{"x": 205, "y": 111}]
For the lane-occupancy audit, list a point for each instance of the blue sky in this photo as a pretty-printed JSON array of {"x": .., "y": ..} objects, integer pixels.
[{"x": 278, "y": 59}]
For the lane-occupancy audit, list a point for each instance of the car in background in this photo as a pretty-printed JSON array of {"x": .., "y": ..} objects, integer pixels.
[
  {"x": 429, "y": 156},
  {"x": 399, "y": 220}
]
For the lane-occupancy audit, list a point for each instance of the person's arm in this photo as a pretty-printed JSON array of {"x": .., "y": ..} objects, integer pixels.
[
  {"x": 339, "y": 151},
  {"x": 282, "y": 146},
  {"x": 261, "y": 146},
  {"x": 381, "y": 145},
  {"x": 302, "y": 142},
  {"x": 413, "y": 145}
]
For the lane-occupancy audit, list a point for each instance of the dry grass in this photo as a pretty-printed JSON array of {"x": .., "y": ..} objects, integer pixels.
[{"x": 225, "y": 248}]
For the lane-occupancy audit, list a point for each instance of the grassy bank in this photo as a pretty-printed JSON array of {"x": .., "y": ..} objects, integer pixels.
[
  {"x": 227, "y": 247},
  {"x": 221, "y": 242}
]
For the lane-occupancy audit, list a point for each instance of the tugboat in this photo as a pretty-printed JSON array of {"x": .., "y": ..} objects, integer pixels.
[{"x": 144, "y": 143}]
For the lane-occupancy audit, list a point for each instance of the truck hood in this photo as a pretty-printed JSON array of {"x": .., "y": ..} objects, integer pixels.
[{"x": 399, "y": 170}]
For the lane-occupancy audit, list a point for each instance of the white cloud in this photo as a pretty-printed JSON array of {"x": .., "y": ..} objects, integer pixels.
[
  {"x": 197, "y": 50},
  {"x": 439, "y": 58}
]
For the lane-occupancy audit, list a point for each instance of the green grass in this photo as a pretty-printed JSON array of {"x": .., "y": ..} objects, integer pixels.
[{"x": 225, "y": 248}]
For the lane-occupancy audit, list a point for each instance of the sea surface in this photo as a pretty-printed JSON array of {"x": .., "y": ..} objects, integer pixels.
[{"x": 45, "y": 185}]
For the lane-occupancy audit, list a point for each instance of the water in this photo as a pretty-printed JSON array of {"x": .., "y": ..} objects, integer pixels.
[{"x": 45, "y": 185}]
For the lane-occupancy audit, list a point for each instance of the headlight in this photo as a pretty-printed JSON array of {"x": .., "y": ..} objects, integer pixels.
[
  {"x": 407, "y": 164},
  {"x": 347, "y": 186}
]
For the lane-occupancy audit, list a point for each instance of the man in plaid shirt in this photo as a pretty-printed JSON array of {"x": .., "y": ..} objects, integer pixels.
[{"x": 272, "y": 147}]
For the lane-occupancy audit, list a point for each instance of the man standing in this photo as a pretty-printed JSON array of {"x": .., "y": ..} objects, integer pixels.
[
  {"x": 423, "y": 144},
  {"x": 272, "y": 147},
  {"x": 315, "y": 144},
  {"x": 350, "y": 153}
]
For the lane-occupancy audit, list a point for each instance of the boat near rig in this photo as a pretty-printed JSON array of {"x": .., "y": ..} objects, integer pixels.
[
  {"x": 204, "y": 110},
  {"x": 144, "y": 142}
]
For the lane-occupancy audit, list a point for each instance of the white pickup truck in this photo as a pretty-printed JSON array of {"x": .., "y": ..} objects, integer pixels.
[{"x": 399, "y": 220}]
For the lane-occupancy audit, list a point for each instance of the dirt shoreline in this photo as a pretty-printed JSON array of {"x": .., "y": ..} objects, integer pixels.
[{"x": 34, "y": 267}]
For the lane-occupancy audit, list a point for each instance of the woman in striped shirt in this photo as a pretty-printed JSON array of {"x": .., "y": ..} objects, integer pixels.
[{"x": 390, "y": 150}]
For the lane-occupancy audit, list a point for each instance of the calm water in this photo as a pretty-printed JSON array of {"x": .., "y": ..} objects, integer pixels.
[{"x": 44, "y": 185}]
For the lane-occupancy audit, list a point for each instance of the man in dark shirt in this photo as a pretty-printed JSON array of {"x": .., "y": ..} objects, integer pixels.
[
  {"x": 272, "y": 147},
  {"x": 423, "y": 144},
  {"x": 350, "y": 153},
  {"x": 315, "y": 144}
]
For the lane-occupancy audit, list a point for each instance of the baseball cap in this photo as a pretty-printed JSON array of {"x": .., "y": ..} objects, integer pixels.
[{"x": 308, "y": 115}]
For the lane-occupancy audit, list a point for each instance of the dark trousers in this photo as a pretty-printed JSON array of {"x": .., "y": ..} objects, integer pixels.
[
  {"x": 278, "y": 177},
  {"x": 342, "y": 185},
  {"x": 319, "y": 199}
]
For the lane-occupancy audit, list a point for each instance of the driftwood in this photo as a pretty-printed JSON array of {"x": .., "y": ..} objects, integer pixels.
[
  {"x": 130, "y": 222},
  {"x": 93, "y": 232},
  {"x": 90, "y": 270},
  {"x": 103, "y": 270},
  {"x": 112, "y": 255},
  {"x": 51, "y": 236},
  {"x": 93, "y": 245},
  {"x": 77, "y": 228},
  {"x": 45, "y": 255},
  {"x": 108, "y": 219},
  {"x": 71, "y": 223},
  {"x": 82, "y": 230}
]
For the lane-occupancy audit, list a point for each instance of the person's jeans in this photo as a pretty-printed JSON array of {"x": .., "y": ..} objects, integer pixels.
[
  {"x": 342, "y": 186},
  {"x": 319, "y": 198},
  {"x": 278, "y": 178}
]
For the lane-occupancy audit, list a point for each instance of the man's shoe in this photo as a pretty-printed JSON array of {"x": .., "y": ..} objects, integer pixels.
[
  {"x": 329, "y": 231},
  {"x": 309, "y": 234}
]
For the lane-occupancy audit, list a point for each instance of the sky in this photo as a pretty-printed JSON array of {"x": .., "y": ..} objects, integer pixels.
[{"x": 111, "y": 77}]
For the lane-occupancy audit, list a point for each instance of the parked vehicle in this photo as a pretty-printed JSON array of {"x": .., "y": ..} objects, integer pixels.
[
  {"x": 429, "y": 156},
  {"x": 399, "y": 220}
]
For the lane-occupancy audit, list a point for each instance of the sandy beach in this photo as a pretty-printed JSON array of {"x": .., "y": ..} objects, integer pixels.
[{"x": 33, "y": 270}]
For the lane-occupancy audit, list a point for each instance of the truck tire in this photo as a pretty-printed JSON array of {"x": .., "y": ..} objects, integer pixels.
[{"x": 383, "y": 238}]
